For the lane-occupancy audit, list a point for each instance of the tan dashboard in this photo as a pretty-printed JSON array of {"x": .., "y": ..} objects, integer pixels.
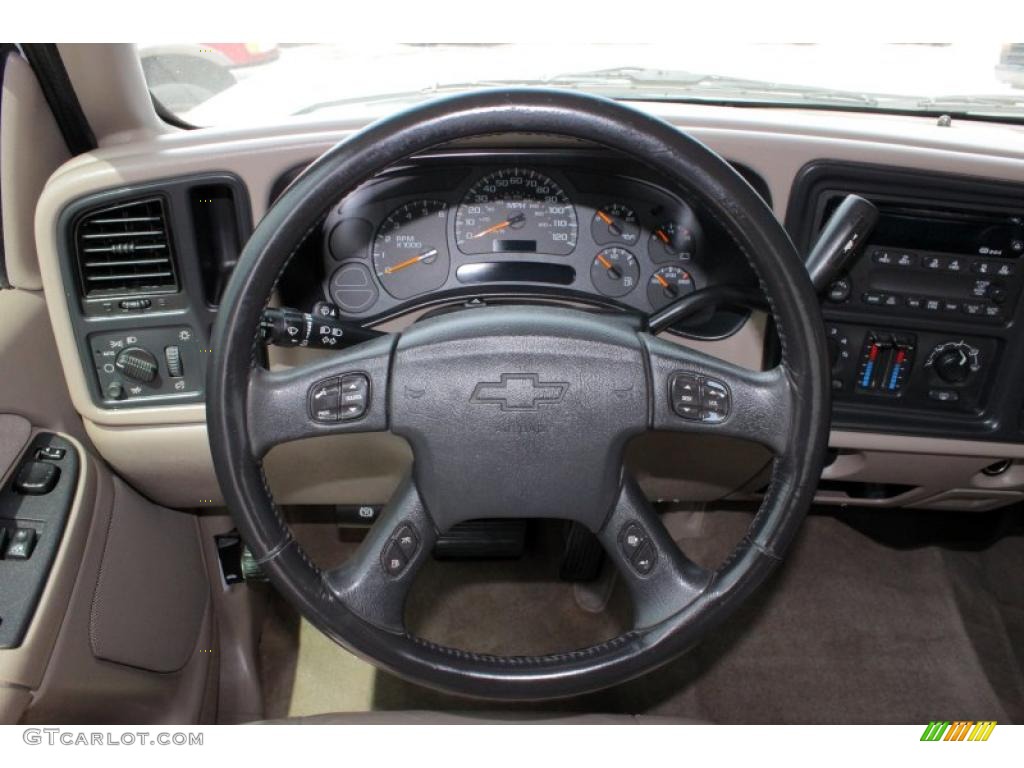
[{"x": 162, "y": 449}]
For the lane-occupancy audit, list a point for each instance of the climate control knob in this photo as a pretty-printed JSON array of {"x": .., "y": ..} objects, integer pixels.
[
  {"x": 954, "y": 362},
  {"x": 137, "y": 363}
]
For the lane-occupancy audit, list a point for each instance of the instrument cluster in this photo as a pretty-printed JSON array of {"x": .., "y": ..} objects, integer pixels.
[{"x": 426, "y": 234}]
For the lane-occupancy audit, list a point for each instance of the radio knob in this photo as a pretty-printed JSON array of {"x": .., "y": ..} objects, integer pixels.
[{"x": 137, "y": 363}]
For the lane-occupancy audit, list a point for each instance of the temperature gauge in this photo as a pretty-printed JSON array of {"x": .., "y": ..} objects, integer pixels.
[
  {"x": 615, "y": 272},
  {"x": 668, "y": 284},
  {"x": 615, "y": 223}
]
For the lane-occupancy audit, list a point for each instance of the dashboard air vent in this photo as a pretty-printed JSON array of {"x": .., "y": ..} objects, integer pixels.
[{"x": 125, "y": 248}]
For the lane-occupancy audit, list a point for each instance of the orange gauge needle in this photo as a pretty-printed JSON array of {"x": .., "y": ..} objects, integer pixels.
[
  {"x": 409, "y": 262},
  {"x": 662, "y": 280},
  {"x": 662, "y": 236},
  {"x": 510, "y": 221},
  {"x": 605, "y": 218},
  {"x": 604, "y": 262}
]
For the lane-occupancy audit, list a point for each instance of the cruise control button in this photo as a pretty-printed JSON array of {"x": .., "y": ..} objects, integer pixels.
[
  {"x": 393, "y": 559},
  {"x": 355, "y": 396},
  {"x": 325, "y": 400}
]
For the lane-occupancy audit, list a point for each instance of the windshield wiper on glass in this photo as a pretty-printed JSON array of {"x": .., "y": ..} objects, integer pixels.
[
  {"x": 981, "y": 104},
  {"x": 669, "y": 84}
]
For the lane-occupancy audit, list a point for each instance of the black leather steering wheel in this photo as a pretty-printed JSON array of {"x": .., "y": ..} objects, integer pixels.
[{"x": 520, "y": 412}]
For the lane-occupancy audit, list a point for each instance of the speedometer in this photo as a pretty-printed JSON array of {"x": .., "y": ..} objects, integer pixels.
[{"x": 516, "y": 210}]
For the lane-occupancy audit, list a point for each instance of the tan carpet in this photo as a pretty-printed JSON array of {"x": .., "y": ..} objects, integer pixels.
[{"x": 849, "y": 631}]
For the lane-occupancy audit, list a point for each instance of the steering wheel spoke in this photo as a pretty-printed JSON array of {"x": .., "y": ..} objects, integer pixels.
[
  {"x": 375, "y": 581},
  {"x": 346, "y": 392},
  {"x": 694, "y": 392},
  {"x": 660, "y": 578}
]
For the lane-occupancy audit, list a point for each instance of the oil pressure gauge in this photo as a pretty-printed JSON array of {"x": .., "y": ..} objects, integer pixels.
[{"x": 668, "y": 284}]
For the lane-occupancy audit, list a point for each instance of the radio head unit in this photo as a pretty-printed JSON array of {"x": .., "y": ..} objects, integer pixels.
[{"x": 922, "y": 262}]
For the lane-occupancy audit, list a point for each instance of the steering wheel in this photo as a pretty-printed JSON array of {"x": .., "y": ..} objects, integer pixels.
[{"x": 519, "y": 411}]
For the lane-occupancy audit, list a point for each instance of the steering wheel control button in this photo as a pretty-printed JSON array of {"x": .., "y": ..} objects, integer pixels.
[
  {"x": 400, "y": 550},
  {"x": 407, "y": 541},
  {"x": 394, "y": 559},
  {"x": 645, "y": 558},
  {"x": 699, "y": 398},
  {"x": 638, "y": 548},
  {"x": 631, "y": 539},
  {"x": 325, "y": 400},
  {"x": 355, "y": 396},
  {"x": 714, "y": 401}
]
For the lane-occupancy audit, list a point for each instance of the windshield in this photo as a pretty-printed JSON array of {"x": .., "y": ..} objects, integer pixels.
[{"x": 242, "y": 83}]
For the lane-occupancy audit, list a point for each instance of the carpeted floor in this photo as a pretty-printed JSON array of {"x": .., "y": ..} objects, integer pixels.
[{"x": 848, "y": 631}]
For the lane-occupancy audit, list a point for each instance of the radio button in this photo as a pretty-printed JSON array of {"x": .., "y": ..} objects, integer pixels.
[
  {"x": 883, "y": 257},
  {"x": 950, "y": 306},
  {"x": 892, "y": 300},
  {"x": 956, "y": 265},
  {"x": 906, "y": 260},
  {"x": 933, "y": 262},
  {"x": 873, "y": 299},
  {"x": 932, "y": 305},
  {"x": 915, "y": 302},
  {"x": 983, "y": 267},
  {"x": 993, "y": 311},
  {"x": 972, "y": 307},
  {"x": 1006, "y": 270}
]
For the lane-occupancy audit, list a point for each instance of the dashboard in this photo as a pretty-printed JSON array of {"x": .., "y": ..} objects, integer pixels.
[
  {"x": 580, "y": 226},
  {"x": 934, "y": 296}
]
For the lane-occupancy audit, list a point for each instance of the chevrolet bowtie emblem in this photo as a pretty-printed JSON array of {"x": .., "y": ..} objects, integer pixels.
[{"x": 519, "y": 392}]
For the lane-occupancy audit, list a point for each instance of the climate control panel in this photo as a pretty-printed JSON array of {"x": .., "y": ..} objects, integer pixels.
[
  {"x": 914, "y": 369},
  {"x": 153, "y": 364}
]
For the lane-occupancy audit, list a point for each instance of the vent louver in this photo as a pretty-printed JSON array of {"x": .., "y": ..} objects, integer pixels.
[{"x": 125, "y": 248}]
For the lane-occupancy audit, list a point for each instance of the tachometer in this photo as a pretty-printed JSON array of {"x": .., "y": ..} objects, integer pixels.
[
  {"x": 516, "y": 210},
  {"x": 410, "y": 252}
]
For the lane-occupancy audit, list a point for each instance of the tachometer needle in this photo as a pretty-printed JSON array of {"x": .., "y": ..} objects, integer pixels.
[
  {"x": 662, "y": 236},
  {"x": 662, "y": 280},
  {"x": 509, "y": 222},
  {"x": 409, "y": 262}
]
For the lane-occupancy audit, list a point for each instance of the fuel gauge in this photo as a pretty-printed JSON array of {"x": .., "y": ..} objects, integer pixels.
[
  {"x": 668, "y": 284},
  {"x": 615, "y": 272}
]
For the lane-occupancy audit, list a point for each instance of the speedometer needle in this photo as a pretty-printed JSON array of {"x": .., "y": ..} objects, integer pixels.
[
  {"x": 409, "y": 262},
  {"x": 510, "y": 221}
]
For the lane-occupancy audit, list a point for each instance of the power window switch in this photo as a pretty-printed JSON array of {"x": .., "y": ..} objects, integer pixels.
[
  {"x": 21, "y": 544},
  {"x": 36, "y": 478},
  {"x": 50, "y": 453}
]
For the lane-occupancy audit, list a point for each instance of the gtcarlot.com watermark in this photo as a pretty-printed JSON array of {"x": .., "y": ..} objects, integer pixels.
[{"x": 67, "y": 737}]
